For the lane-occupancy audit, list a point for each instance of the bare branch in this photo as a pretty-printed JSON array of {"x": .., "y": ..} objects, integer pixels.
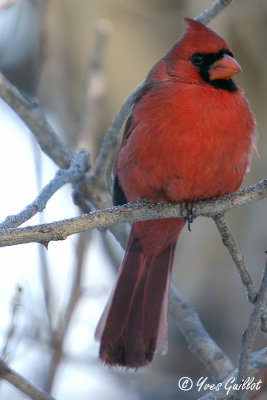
[
  {"x": 249, "y": 334},
  {"x": 47, "y": 287},
  {"x": 15, "y": 304},
  {"x": 61, "y": 330},
  {"x": 78, "y": 167},
  {"x": 140, "y": 210},
  {"x": 109, "y": 146},
  {"x": 216, "y": 362},
  {"x": 91, "y": 116},
  {"x": 237, "y": 257},
  {"x": 95, "y": 89},
  {"x": 212, "y": 12},
  {"x": 31, "y": 114},
  {"x": 257, "y": 362},
  {"x": 22, "y": 384}
]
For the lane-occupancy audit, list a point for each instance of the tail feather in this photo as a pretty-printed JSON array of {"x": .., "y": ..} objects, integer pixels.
[{"x": 135, "y": 321}]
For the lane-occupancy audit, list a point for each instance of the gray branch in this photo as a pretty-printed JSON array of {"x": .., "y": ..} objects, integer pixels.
[
  {"x": 257, "y": 363},
  {"x": 199, "y": 341},
  {"x": 78, "y": 167},
  {"x": 250, "y": 332},
  {"x": 140, "y": 210},
  {"x": 22, "y": 384},
  {"x": 31, "y": 114},
  {"x": 212, "y": 12},
  {"x": 108, "y": 148},
  {"x": 229, "y": 242}
]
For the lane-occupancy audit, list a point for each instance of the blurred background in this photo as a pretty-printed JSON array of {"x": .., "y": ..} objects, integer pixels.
[{"x": 81, "y": 59}]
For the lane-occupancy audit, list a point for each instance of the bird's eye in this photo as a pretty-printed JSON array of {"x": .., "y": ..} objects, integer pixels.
[{"x": 197, "y": 59}]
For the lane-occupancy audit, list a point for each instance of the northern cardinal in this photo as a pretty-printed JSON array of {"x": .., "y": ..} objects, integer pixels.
[{"x": 190, "y": 136}]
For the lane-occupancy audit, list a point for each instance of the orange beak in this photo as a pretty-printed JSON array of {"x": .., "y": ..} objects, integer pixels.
[{"x": 224, "y": 68}]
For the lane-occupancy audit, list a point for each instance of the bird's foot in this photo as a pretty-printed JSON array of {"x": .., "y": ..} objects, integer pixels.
[{"x": 190, "y": 212}]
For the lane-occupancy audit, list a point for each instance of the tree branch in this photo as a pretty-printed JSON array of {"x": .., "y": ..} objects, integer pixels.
[
  {"x": 109, "y": 146},
  {"x": 33, "y": 117},
  {"x": 139, "y": 210},
  {"x": 229, "y": 242},
  {"x": 250, "y": 332},
  {"x": 22, "y": 384},
  {"x": 199, "y": 341},
  {"x": 78, "y": 167},
  {"x": 15, "y": 305},
  {"x": 61, "y": 330},
  {"x": 212, "y": 12},
  {"x": 95, "y": 89},
  {"x": 257, "y": 362}
]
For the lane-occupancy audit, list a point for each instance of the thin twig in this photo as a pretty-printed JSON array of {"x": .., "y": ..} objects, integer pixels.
[
  {"x": 76, "y": 292},
  {"x": 22, "y": 384},
  {"x": 15, "y": 304},
  {"x": 46, "y": 286},
  {"x": 213, "y": 11},
  {"x": 78, "y": 167},
  {"x": 264, "y": 322},
  {"x": 31, "y": 114},
  {"x": 216, "y": 362},
  {"x": 91, "y": 118},
  {"x": 140, "y": 210},
  {"x": 95, "y": 90},
  {"x": 108, "y": 148},
  {"x": 237, "y": 257},
  {"x": 227, "y": 390},
  {"x": 249, "y": 333}
]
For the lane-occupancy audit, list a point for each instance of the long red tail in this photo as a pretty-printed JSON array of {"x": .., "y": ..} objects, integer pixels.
[{"x": 135, "y": 321}]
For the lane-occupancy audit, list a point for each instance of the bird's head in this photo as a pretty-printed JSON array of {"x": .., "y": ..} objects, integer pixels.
[{"x": 202, "y": 56}]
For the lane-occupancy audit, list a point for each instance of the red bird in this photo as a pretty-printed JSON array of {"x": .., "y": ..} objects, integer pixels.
[{"x": 190, "y": 136}]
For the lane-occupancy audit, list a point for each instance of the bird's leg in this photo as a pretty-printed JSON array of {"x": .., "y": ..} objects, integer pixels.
[{"x": 190, "y": 212}]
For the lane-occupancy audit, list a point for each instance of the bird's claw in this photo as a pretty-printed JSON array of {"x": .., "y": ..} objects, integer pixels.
[{"x": 190, "y": 212}]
